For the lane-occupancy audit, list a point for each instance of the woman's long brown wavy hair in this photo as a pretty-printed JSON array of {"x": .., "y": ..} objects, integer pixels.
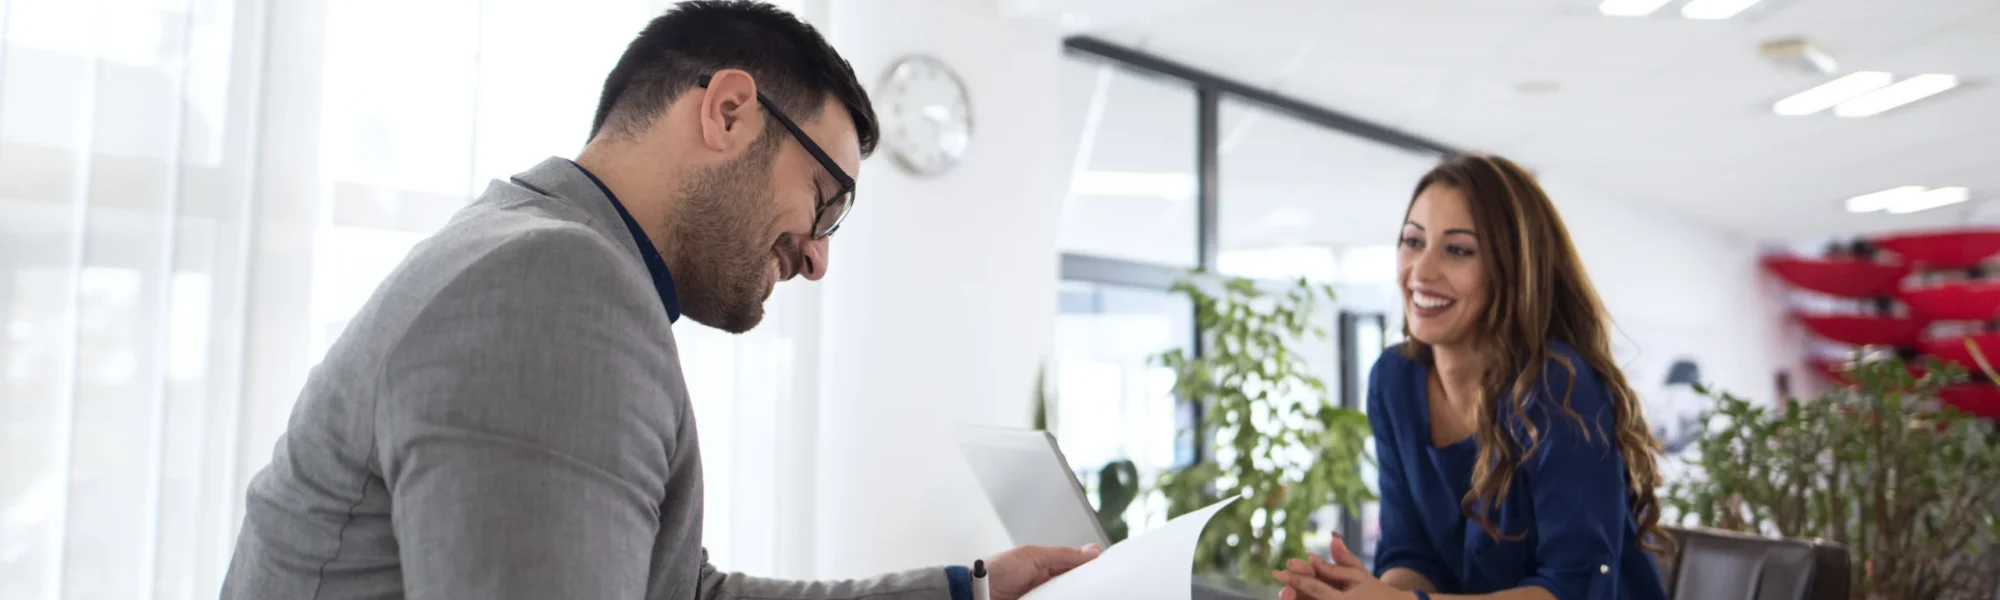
[{"x": 1538, "y": 293}]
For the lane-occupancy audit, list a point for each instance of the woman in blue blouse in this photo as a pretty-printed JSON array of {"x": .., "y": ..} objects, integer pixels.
[{"x": 1515, "y": 461}]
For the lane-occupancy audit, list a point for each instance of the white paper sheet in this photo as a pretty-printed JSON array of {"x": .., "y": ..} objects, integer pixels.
[{"x": 1157, "y": 565}]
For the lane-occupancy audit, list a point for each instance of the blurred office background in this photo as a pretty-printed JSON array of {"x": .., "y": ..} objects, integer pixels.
[{"x": 195, "y": 195}]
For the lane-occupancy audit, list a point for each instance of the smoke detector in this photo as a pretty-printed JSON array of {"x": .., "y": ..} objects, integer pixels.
[{"x": 1800, "y": 55}]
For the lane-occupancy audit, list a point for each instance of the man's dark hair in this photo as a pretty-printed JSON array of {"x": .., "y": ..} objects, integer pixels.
[{"x": 792, "y": 64}]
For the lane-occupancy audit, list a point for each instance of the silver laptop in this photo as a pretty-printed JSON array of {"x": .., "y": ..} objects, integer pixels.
[{"x": 1031, "y": 485}]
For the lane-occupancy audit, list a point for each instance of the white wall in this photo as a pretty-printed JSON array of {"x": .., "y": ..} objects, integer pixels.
[
  {"x": 1675, "y": 287},
  {"x": 941, "y": 298}
]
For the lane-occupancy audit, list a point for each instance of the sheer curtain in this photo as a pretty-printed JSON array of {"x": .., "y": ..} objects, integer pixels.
[{"x": 196, "y": 195}]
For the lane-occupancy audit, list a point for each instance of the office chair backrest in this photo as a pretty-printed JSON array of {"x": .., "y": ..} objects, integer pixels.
[{"x": 1719, "y": 565}]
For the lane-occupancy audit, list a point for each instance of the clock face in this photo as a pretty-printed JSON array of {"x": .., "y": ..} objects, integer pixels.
[{"x": 927, "y": 122}]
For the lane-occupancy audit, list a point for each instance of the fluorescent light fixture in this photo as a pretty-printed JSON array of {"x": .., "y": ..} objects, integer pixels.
[
  {"x": 1630, "y": 8},
  {"x": 1907, "y": 199},
  {"x": 1714, "y": 9},
  {"x": 1826, "y": 95},
  {"x": 1166, "y": 185},
  {"x": 1940, "y": 197},
  {"x": 1882, "y": 200},
  {"x": 1901, "y": 93}
]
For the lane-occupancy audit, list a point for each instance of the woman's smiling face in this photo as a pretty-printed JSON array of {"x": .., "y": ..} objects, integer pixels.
[{"x": 1438, "y": 268}]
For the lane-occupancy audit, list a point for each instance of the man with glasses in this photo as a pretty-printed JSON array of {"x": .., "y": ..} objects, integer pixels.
[{"x": 506, "y": 418}]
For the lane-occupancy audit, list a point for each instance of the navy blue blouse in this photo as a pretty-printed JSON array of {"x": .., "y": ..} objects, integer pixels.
[{"x": 1570, "y": 498}]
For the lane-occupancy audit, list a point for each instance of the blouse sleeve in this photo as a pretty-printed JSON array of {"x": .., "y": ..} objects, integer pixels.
[
  {"x": 1576, "y": 480},
  {"x": 1403, "y": 543}
]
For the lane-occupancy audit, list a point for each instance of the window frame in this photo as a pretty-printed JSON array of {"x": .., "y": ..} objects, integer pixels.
[{"x": 1210, "y": 89}]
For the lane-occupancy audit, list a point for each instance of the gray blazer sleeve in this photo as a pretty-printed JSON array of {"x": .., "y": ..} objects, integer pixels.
[
  {"x": 522, "y": 438},
  {"x": 520, "y": 454}
]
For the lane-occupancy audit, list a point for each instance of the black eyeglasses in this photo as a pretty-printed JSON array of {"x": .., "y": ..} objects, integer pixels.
[{"x": 833, "y": 210}]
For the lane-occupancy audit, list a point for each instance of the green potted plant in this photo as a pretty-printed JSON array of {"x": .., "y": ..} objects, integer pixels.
[
  {"x": 1910, "y": 491},
  {"x": 1275, "y": 438}
]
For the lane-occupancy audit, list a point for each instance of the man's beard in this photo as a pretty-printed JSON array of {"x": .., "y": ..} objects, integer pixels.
[{"x": 720, "y": 244}]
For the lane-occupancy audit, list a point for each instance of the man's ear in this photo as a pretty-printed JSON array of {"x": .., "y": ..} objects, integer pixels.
[{"x": 730, "y": 117}]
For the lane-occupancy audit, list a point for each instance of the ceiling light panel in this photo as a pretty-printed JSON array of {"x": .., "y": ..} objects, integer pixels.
[
  {"x": 1630, "y": 8},
  {"x": 1709, "y": 10},
  {"x": 1882, "y": 200},
  {"x": 1937, "y": 198},
  {"x": 1823, "y": 96},
  {"x": 1907, "y": 199},
  {"x": 1900, "y": 93}
]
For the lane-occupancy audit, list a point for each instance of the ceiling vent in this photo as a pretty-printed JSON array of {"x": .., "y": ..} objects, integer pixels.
[{"x": 1800, "y": 55}]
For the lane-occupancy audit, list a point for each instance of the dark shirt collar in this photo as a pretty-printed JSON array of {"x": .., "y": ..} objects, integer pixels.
[{"x": 663, "y": 281}]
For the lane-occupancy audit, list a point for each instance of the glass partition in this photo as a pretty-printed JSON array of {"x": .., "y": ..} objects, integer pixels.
[
  {"x": 1175, "y": 168},
  {"x": 1132, "y": 182},
  {"x": 1111, "y": 400},
  {"x": 1301, "y": 199}
]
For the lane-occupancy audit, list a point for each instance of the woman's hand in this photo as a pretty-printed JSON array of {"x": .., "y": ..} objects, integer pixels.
[
  {"x": 1316, "y": 579},
  {"x": 1342, "y": 579}
]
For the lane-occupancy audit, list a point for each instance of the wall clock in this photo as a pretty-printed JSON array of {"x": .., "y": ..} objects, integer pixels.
[{"x": 926, "y": 116}]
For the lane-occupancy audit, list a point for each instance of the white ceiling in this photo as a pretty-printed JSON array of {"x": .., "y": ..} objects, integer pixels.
[{"x": 1658, "y": 110}]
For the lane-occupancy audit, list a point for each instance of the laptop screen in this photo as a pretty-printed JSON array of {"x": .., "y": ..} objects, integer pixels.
[{"x": 1031, "y": 486}]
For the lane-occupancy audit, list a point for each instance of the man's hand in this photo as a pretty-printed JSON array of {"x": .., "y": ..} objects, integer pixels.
[{"x": 1013, "y": 573}]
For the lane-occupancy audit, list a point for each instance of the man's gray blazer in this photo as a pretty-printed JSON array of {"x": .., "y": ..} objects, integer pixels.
[{"x": 505, "y": 418}]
